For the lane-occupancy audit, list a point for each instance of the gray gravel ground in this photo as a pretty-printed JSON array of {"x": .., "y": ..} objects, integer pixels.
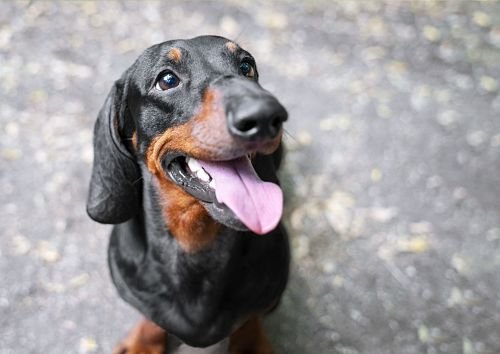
[{"x": 393, "y": 168}]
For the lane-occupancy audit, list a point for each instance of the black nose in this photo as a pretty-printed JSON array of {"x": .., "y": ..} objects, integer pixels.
[{"x": 256, "y": 119}]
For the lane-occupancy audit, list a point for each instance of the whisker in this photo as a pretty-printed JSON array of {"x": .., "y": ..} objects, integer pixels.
[
  {"x": 289, "y": 134},
  {"x": 137, "y": 181},
  {"x": 237, "y": 39}
]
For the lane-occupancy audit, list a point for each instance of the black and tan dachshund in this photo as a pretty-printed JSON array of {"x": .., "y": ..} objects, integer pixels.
[{"x": 186, "y": 149}]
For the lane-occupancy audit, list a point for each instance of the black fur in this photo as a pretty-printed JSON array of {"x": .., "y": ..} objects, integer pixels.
[{"x": 199, "y": 297}]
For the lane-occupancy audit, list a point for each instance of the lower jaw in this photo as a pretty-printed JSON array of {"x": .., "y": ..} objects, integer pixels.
[{"x": 224, "y": 215}]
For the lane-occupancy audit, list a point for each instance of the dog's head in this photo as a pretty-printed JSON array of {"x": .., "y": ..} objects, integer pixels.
[{"x": 191, "y": 114}]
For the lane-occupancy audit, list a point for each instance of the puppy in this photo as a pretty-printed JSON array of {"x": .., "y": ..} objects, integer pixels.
[{"x": 186, "y": 149}]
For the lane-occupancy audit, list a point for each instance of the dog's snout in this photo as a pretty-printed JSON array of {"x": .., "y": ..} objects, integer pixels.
[{"x": 256, "y": 119}]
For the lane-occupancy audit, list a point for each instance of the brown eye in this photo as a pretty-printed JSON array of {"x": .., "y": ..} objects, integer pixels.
[
  {"x": 167, "y": 81},
  {"x": 247, "y": 69}
]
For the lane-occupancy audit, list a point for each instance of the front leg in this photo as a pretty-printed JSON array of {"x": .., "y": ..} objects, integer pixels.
[
  {"x": 145, "y": 338},
  {"x": 250, "y": 339}
]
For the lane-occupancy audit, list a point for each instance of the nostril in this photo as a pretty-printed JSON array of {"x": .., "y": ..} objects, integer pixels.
[
  {"x": 276, "y": 123},
  {"x": 246, "y": 125}
]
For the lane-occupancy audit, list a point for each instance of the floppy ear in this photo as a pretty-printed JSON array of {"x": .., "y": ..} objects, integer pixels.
[{"x": 115, "y": 190}]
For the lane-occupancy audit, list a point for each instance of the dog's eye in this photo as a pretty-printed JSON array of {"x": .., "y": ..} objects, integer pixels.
[
  {"x": 247, "y": 69},
  {"x": 167, "y": 81}
]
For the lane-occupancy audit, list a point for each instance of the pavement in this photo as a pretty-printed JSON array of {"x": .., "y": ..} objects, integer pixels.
[{"x": 392, "y": 170}]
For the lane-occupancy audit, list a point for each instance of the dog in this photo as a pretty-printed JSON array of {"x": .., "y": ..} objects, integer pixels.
[{"x": 186, "y": 150}]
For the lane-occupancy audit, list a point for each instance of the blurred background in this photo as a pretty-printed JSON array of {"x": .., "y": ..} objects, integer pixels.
[{"x": 392, "y": 170}]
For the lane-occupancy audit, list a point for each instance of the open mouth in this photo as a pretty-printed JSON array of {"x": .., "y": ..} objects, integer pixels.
[
  {"x": 231, "y": 191},
  {"x": 190, "y": 175}
]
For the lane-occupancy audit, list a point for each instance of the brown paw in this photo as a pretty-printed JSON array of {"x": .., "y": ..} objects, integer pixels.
[
  {"x": 124, "y": 348},
  {"x": 250, "y": 339},
  {"x": 145, "y": 338}
]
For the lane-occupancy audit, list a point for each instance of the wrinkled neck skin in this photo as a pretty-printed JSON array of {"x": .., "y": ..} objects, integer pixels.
[{"x": 199, "y": 297}]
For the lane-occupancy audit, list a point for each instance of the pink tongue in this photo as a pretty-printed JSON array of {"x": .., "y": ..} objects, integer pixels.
[{"x": 256, "y": 203}]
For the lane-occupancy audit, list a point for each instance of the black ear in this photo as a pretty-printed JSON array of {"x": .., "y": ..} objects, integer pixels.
[{"x": 115, "y": 188}]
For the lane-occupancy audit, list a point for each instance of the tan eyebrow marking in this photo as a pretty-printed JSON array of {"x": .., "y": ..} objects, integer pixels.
[
  {"x": 231, "y": 46},
  {"x": 175, "y": 54}
]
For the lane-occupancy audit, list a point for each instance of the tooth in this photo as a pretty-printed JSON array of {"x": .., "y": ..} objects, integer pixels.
[
  {"x": 193, "y": 164},
  {"x": 203, "y": 175},
  {"x": 212, "y": 183}
]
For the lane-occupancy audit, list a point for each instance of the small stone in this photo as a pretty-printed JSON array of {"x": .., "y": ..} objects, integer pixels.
[
  {"x": 493, "y": 234},
  {"x": 47, "y": 253},
  {"x": 410, "y": 271},
  {"x": 338, "y": 211},
  {"x": 383, "y": 214},
  {"x": 126, "y": 45},
  {"x": 297, "y": 218},
  {"x": 373, "y": 53},
  {"x": 442, "y": 95},
  {"x": 60, "y": 225},
  {"x": 328, "y": 267},
  {"x": 456, "y": 297},
  {"x": 339, "y": 121},
  {"x": 54, "y": 287},
  {"x": 334, "y": 336},
  {"x": 397, "y": 67},
  {"x": 447, "y": 117},
  {"x": 423, "y": 334},
  {"x": 495, "y": 104},
  {"x": 4, "y": 302},
  {"x": 384, "y": 111},
  {"x": 459, "y": 193},
  {"x": 481, "y": 19},
  {"x": 327, "y": 124},
  {"x": 229, "y": 26},
  {"x": 12, "y": 129},
  {"x": 79, "y": 280},
  {"x": 304, "y": 138},
  {"x": 448, "y": 52},
  {"x": 434, "y": 182},
  {"x": 88, "y": 345},
  {"x": 21, "y": 244},
  {"x": 273, "y": 20},
  {"x": 495, "y": 36},
  {"x": 431, "y": 33},
  {"x": 338, "y": 281},
  {"x": 463, "y": 82},
  {"x": 33, "y": 68},
  {"x": 69, "y": 325},
  {"x": 11, "y": 154},
  {"x": 88, "y": 8},
  {"x": 343, "y": 122},
  {"x": 476, "y": 138},
  {"x": 87, "y": 154},
  {"x": 343, "y": 198},
  {"x": 420, "y": 97},
  {"x": 495, "y": 140},
  {"x": 357, "y": 86},
  {"x": 460, "y": 264},
  {"x": 5, "y": 37},
  {"x": 468, "y": 347},
  {"x": 488, "y": 83},
  {"x": 421, "y": 227},
  {"x": 39, "y": 96},
  {"x": 300, "y": 246},
  {"x": 418, "y": 244},
  {"x": 376, "y": 175}
]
